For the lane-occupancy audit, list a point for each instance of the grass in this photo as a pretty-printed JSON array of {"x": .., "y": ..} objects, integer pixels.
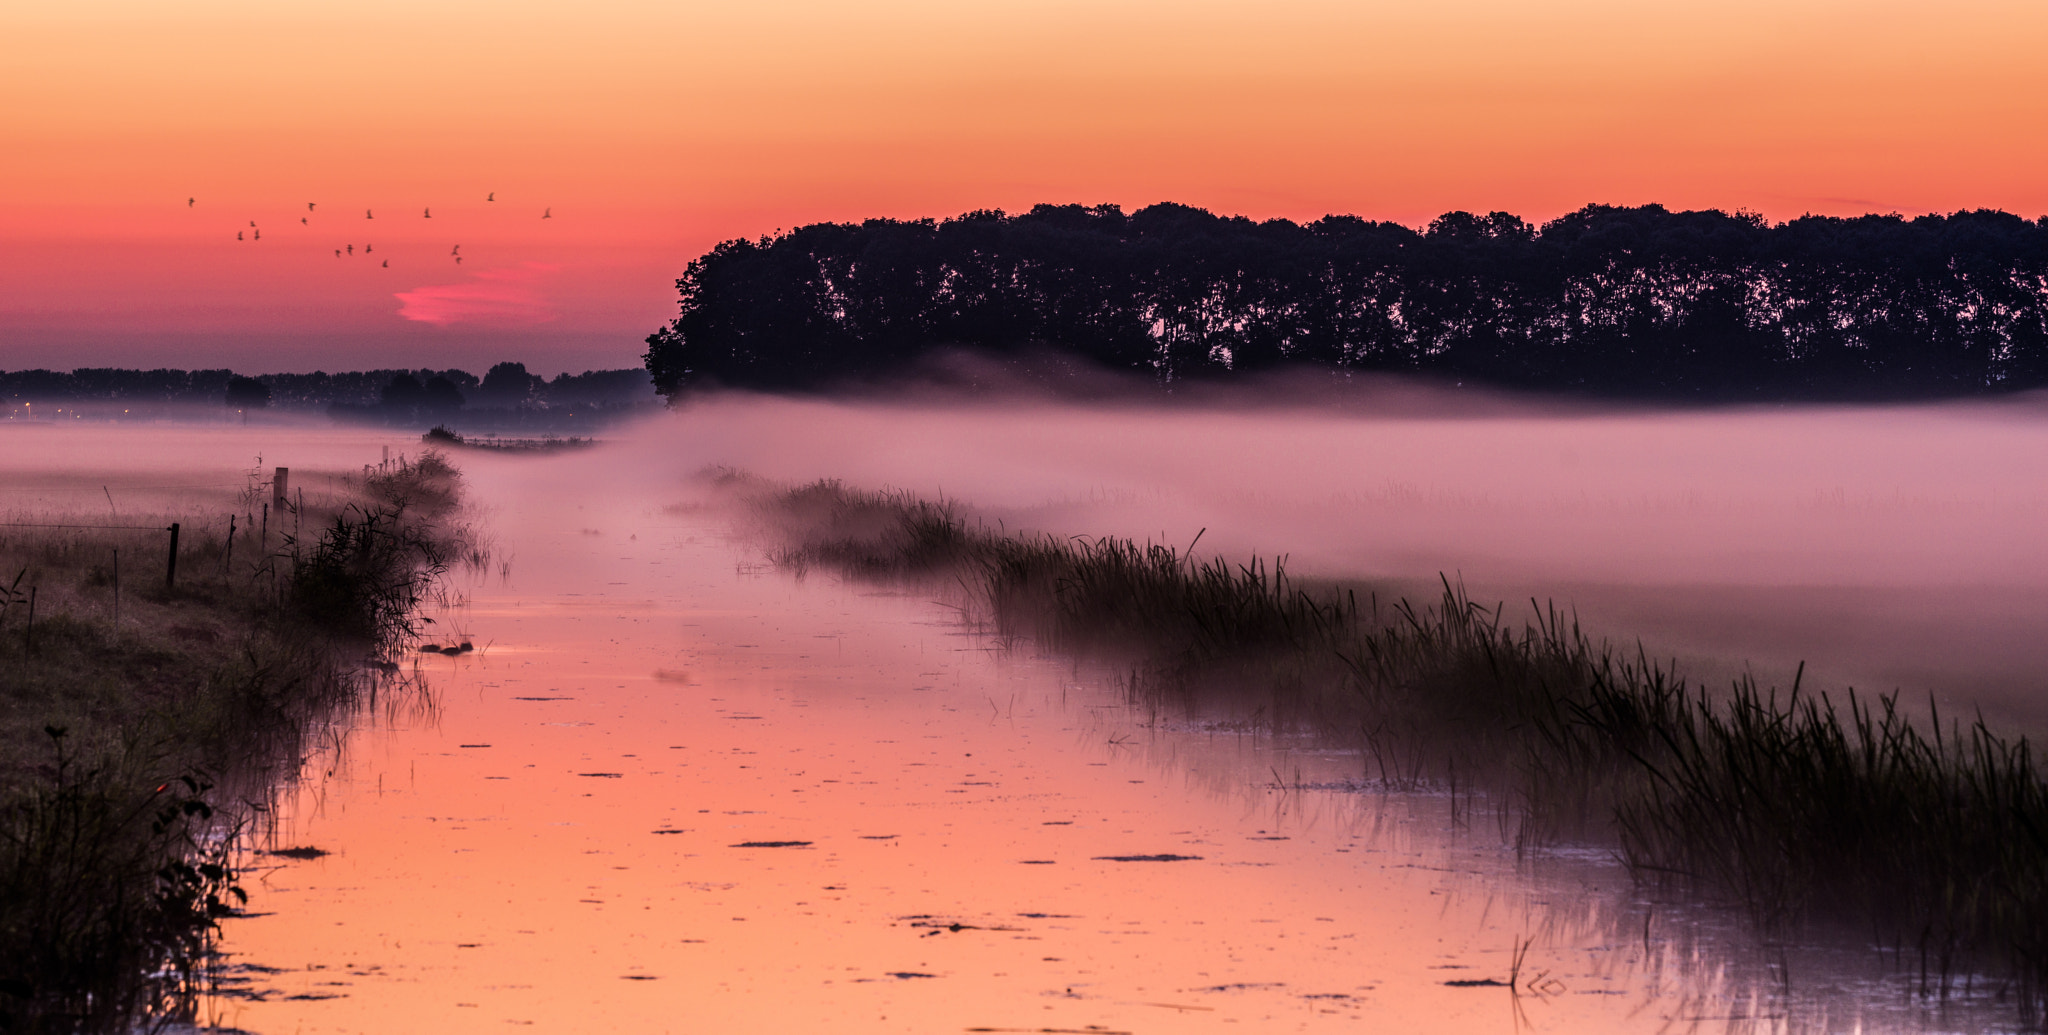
[
  {"x": 135, "y": 754},
  {"x": 1801, "y": 807}
]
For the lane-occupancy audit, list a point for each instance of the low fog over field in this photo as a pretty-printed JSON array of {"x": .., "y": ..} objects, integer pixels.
[{"x": 1887, "y": 547}]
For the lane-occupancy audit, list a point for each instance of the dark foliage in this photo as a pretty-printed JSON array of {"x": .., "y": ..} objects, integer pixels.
[
  {"x": 1627, "y": 301},
  {"x": 247, "y": 393},
  {"x": 506, "y": 386},
  {"x": 138, "y": 890},
  {"x": 1800, "y": 807}
]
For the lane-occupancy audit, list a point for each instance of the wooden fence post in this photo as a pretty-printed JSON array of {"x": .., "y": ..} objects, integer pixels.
[
  {"x": 171, "y": 570},
  {"x": 280, "y": 488}
]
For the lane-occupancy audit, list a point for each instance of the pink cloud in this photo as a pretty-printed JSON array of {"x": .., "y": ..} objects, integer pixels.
[{"x": 502, "y": 297}]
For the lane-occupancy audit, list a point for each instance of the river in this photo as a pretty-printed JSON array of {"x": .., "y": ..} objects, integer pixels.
[{"x": 676, "y": 790}]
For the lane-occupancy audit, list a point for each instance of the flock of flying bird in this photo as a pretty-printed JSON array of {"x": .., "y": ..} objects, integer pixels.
[{"x": 256, "y": 233}]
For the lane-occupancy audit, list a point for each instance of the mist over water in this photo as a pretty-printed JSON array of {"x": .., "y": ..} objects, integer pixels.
[
  {"x": 573, "y": 830},
  {"x": 1887, "y": 547}
]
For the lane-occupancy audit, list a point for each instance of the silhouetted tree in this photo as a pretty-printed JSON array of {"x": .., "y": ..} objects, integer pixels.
[
  {"x": 247, "y": 393},
  {"x": 400, "y": 400},
  {"x": 508, "y": 384},
  {"x": 1633, "y": 301},
  {"x": 439, "y": 399}
]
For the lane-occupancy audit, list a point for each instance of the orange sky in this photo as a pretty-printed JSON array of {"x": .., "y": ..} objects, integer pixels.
[{"x": 652, "y": 130}]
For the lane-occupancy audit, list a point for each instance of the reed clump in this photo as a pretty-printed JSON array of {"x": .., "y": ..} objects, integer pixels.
[
  {"x": 144, "y": 726},
  {"x": 1800, "y": 807}
]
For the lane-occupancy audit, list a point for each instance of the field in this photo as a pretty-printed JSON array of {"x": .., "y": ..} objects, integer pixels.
[{"x": 152, "y": 708}]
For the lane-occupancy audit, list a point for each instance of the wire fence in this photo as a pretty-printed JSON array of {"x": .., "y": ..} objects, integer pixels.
[{"x": 44, "y": 524}]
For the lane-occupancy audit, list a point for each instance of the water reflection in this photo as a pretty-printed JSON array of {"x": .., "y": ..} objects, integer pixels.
[{"x": 673, "y": 790}]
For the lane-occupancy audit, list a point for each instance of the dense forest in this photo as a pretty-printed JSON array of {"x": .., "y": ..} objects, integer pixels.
[
  {"x": 1642, "y": 302},
  {"x": 505, "y": 396}
]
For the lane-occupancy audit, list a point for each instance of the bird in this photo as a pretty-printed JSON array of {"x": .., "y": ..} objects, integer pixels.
[
  {"x": 252, "y": 222},
  {"x": 366, "y": 249},
  {"x": 429, "y": 213},
  {"x": 458, "y": 260},
  {"x": 367, "y": 214},
  {"x": 258, "y": 236},
  {"x": 456, "y": 251},
  {"x": 337, "y": 253},
  {"x": 309, "y": 206},
  {"x": 302, "y": 221},
  {"x": 492, "y": 196},
  {"x": 351, "y": 249},
  {"x": 547, "y": 213},
  {"x": 189, "y": 202},
  {"x": 387, "y": 264},
  {"x": 238, "y": 235}
]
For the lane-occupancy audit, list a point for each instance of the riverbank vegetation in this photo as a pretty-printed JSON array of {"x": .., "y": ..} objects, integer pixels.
[
  {"x": 1928, "y": 833},
  {"x": 146, "y": 722}
]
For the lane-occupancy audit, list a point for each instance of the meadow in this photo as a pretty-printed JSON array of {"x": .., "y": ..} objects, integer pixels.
[{"x": 153, "y": 704}]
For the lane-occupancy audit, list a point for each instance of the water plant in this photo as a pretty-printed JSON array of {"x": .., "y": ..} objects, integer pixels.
[
  {"x": 1801, "y": 807},
  {"x": 136, "y": 754}
]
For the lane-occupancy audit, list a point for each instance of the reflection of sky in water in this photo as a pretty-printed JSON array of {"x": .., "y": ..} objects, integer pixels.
[{"x": 553, "y": 843}]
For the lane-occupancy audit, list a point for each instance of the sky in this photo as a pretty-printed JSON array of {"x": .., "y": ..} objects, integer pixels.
[{"x": 139, "y": 139}]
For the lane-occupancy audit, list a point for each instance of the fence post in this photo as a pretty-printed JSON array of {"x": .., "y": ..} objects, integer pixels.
[
  {"x": 171, "y": 570},
  {"x": 279, "y": 488}
]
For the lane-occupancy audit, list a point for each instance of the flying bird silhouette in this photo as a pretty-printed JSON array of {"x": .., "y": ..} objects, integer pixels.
[
  {"x": 309, "y": 206},
  {"x": 252, "y": 222},
  {"x": 367, "y": 214},
  {"x": 238, "y": 235},
  {"x": 457, "y": 250},
  {"x": 337, "y": 253},
  {"x": 366, "y": 249},
  {"x": 429, "y": 213},
  {"x": 387, "y": 264},
  {"x": 547, "y": 213},
  {"x": 302, "y": 221},
  {"x": 458, "y": 260},
  {"x": 351, "y": 249},
  {"x": 189, "y": 202},
  {"x": 259, "y": 236},
  {"x": 492, "y": 196}
]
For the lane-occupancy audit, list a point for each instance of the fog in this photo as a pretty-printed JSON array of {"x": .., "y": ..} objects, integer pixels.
[{"x": 1886, "y": 547}]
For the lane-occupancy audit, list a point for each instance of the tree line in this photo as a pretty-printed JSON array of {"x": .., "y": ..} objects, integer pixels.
[
  {"x": 371, "y": 394},
  {"x": 1610, "y": 300}
]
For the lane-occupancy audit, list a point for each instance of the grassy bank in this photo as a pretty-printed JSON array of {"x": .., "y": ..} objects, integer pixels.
[
  {"x": 145, "y": 724},
  {"x": 1930, "y": 834}
]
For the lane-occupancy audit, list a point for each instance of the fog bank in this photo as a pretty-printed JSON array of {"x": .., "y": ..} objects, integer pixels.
[{"x": 1886, "y": 546}]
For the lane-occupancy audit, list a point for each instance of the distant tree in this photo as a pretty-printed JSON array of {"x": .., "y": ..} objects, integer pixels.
[
  {"x": 247, "y": 393},
  {"x": 508, "y": 384},
  {"x": 403, "y": 391},
  {"x": 1638, "y": 301},
  {"x": 599, "y": 388},
  {"x": 439, "y": 398}
]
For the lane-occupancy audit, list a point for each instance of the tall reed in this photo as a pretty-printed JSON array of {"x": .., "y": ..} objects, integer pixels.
[
  {"x": 136, "y": 755},
  {"x": 1800, "y": 807}
]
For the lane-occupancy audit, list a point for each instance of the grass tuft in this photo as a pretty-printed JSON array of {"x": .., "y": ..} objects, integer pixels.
[
  {"x": 142, "y": 726},
  {"x": 1800, "y": 808}
]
